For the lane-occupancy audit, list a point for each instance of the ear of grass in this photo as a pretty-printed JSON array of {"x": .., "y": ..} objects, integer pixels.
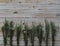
[
  {"x": 53, "y": 32},
  {"x": 18, "y": 32},
  {"x": 40, "y": 34},
  {"x": 47, "y": 28},
  {"x": 32, "y": 34},
  {"x": 11, "y": 31},
  {"x": 24, "y": 30},
  {"x": 5, "y": 30}
]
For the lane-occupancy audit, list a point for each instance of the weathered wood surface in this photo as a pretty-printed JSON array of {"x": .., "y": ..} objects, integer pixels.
[{"x": 28, "y": 12}]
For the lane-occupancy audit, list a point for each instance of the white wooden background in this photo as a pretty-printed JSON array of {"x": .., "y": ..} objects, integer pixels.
[{"x": 28, "y": 12}]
